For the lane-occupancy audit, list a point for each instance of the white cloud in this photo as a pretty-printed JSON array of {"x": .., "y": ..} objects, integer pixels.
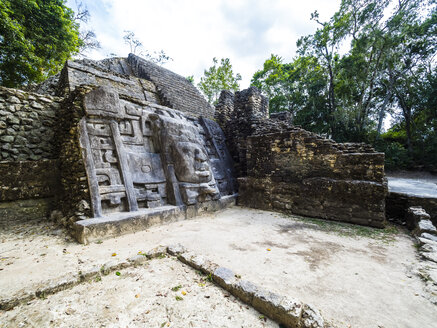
[{"x": 192, "y": 32}]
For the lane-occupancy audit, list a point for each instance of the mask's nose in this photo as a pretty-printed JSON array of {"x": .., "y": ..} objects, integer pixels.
[{"x": 199, "y": 155}]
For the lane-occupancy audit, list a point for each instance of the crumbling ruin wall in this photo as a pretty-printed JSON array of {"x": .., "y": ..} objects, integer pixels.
[
  {"x": 175, "y": 90},
  {"x": 140, "y": 155},
  {"x": 133, "y": 77},
  {"x": 120, "y": 135},
  {"x": 299, "y": 172},
  {"x": 27, "y": 124},
  {"x": 285, "y": 168},
  {"x": 239, "y": 116},
  {"x": 397, "y": 205},
  {"x": 28, "y": 156}
]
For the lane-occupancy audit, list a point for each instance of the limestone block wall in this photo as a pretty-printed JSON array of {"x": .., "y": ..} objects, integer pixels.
[
  {"x": 397, "y": 205},
  {"x": 74, "y": 197},
  {"x": 285, "y": 168},
  {"x": 302, "y": 173},
  {"x": 27, "y": 122},
  {"x": 175, "y": 90},
  {"x": 239, "y": 116},
  {"x": 28, "y": 156}
]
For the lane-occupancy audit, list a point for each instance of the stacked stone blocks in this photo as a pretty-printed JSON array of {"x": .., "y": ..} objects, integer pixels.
[{"x": 283, "y": 167}]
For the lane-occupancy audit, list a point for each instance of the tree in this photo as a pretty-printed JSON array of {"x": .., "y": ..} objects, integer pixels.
[
  {"x": 274, "y": 81},
  {"x": 36, "y": 38},
  {"x": 218, "y": 78},
  {"x": 361, "y": 84},
  {"x": 413, "y": 62},
  {"x": 87, "y": 37},
  {"x": 136, "y": 47},
  {"x": 191, "y": 79},
  {"x": 299, "y": 87}
]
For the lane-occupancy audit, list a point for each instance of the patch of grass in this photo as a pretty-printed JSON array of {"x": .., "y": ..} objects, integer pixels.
[
  {"x": 178, "y": 298},
  {"x": 42, "y": 296},
  {"x": 386, "y": 234},
  {"x": 176, "y": 288}
]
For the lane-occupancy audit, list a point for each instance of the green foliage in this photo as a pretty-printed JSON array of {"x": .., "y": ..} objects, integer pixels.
[
  {"x": 298, "y": 87},
  {"x": 36, "y": 38},
  {"x": 396, "y": 156},
  {"x": 218, "y": 78},
  {"x": 190, "y": 79},
  {"x": 386, "y": 65}
]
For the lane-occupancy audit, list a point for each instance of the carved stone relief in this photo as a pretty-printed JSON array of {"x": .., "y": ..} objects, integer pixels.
[{"x": 145, "y": 156}]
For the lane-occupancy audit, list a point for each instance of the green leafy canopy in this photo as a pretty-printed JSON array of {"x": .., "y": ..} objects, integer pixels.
[
  {"x": 36, "y": 38},
  {"x": 218, "y": 78}
]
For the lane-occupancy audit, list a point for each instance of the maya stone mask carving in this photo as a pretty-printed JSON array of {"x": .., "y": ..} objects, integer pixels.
[
  {"x": 156, "y": 155},
  {"x": 191, "y": 162},
  {"x": 184, "y": 142}
]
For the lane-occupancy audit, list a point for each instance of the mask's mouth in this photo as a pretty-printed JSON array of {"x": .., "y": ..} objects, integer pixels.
[{"x": 202, "y": 173}]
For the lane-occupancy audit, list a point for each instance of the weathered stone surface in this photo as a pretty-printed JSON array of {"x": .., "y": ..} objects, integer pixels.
[
  {"x": 397, "y": 205},
  {"x": 175, "y": 90},
  {"x": 426, "y": 235},
  {"x": 176, "y": 249},
  {"x": 155, "y": 156},
  {"x": 429, "y": 247},
  {"x": 224, "y": 277},
  {"x": 267, "y": 302},
  {"x": 349, "y": 201},
  {"x": 414, "y": 215},
  {"x": 245, "y": 291},
  {"x": 136, "y": 78},
  {"x": 286, "y": 311},
  {"x": 311, "y": 318},
  {"x": 430, "y": 256},
  {"x": 158, "y": 251},
  {"x": 426, "y": 226},
  {"x": 22, "y": 130},
  {"x": 285, "y": 168},
  {"x": 425, "y": 241},
  {"x": 138, "y": 259},
  {"x": 198, "y": 262},
  {"x": 89, "y": 230},
  {"x": 18, "y": 211},
  {"x": 28, "y": 179},
  {"x": 290, "y": 312}
]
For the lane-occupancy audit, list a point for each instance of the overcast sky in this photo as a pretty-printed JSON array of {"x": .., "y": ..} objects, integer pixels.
[{"x": 193, "y": 32}]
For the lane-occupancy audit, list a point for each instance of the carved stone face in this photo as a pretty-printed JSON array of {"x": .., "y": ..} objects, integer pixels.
[{"x": 190, "y": 162}]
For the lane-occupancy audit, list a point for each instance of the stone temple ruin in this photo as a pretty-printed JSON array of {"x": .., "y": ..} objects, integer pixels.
[
  {"x": 113, "y": 147},
  {"x": 117, "y": 145}
]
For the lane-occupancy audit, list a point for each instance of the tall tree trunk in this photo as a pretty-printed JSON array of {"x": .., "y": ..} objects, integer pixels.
[
  {"x": 408, "y": 130},
  {"x": 332, "y": 105},
  {"x": 406, "y": 110},
  {"x": 382, "y": 111}
]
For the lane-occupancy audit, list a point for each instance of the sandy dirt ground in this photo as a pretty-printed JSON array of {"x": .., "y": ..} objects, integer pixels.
[
  {"x": 162, "y": 293},
  {"x": 356, "y": 277}
]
